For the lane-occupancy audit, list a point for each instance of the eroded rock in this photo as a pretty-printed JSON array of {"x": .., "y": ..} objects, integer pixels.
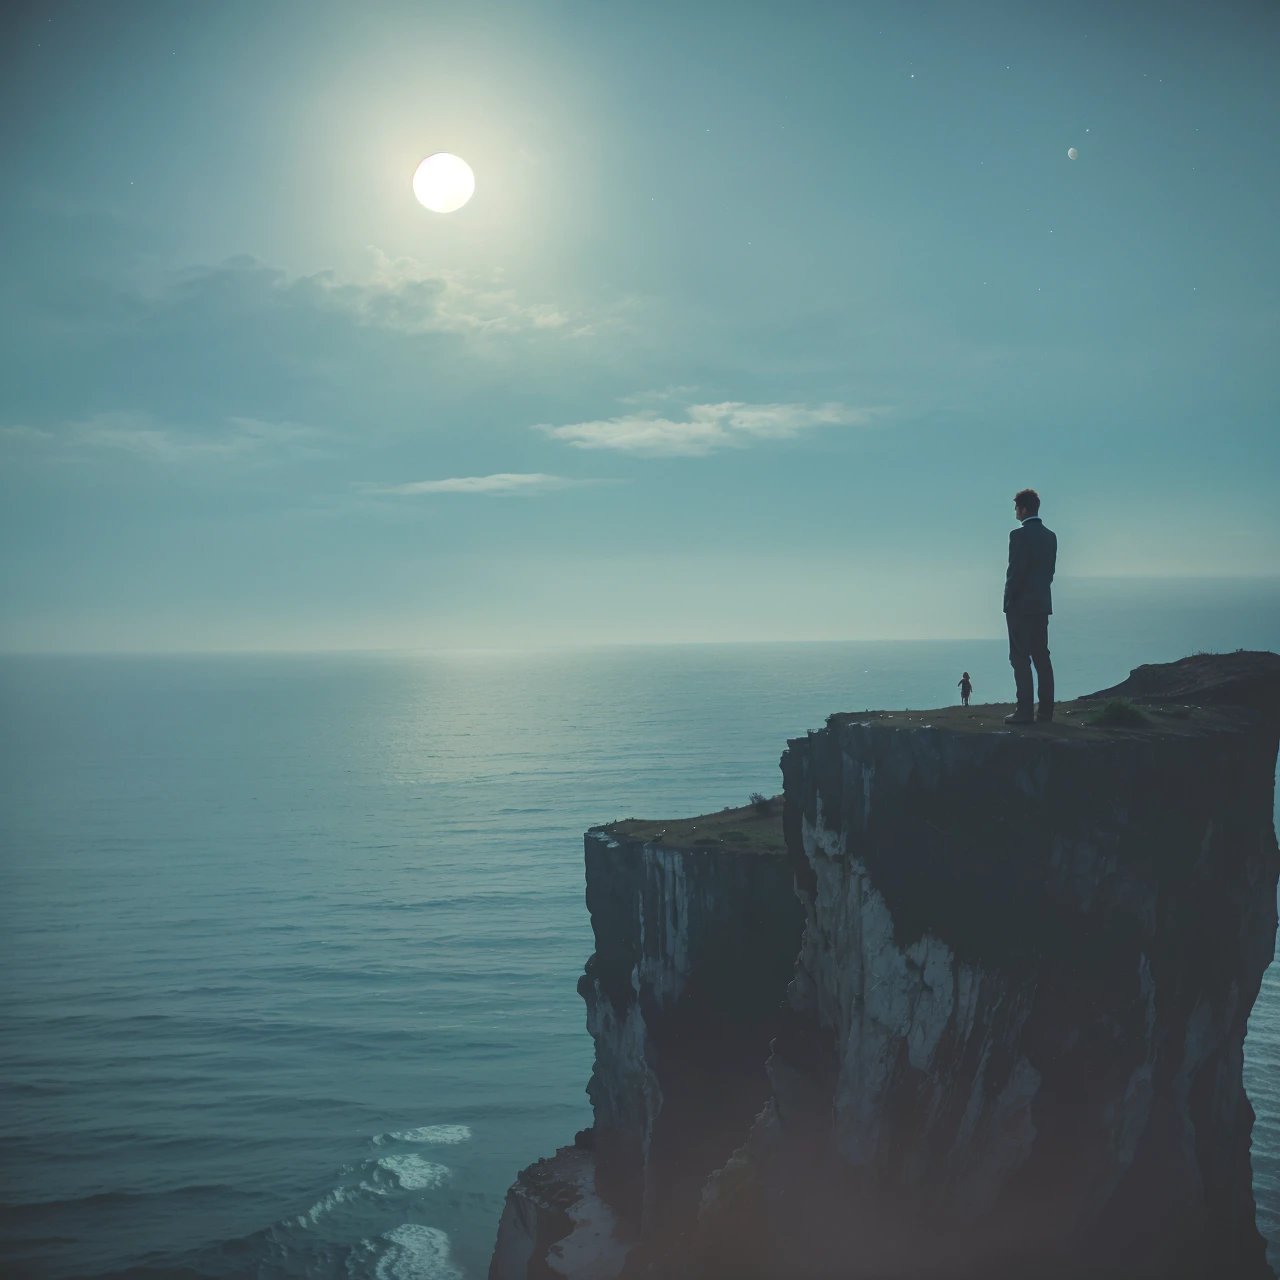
[{"x": 1012, "y": 1040}]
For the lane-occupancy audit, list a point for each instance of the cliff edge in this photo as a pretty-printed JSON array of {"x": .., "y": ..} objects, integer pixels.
[
  {"x": 697, "y": 927},
  {"x": 1021, "y": 968}
]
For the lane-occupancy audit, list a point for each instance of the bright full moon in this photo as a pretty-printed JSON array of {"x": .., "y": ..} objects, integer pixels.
[
  {"x": 1071, "y": 155},
  {"x": 443, "y": 182}
]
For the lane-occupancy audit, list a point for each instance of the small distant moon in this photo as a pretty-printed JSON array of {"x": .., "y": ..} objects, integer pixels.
[
  {"x": 1072, "y": 153},
  {"x": 443, "y": 182}
]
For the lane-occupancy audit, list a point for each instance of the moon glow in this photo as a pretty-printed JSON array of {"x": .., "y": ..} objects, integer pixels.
[
  {"x": 1072, "y": 153},
  {"x": 443, "y": 182}
]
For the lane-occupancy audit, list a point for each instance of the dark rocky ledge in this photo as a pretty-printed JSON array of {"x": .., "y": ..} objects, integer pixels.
[
  {"x": 1243, "y": 679},
  {"x": 1021, "y": 966}
]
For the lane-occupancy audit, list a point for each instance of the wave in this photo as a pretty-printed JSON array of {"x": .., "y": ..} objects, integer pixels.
[
  {"x": 411, "y": 1171},
  {"x": 416, "y": 1253},
  {"x": 338, "y": 1196},
  {"x": 415, "y": 1173},
  {"x": 443, "y": 1134}
]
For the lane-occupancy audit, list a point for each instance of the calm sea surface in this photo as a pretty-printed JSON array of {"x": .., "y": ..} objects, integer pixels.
[{"x": 289, "y": 942}]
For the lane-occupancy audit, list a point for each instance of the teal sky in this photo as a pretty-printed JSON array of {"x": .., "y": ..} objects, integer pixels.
[{"x": 758, "y": 317}]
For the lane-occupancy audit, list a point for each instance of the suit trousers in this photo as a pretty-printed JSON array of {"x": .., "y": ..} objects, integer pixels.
[{"x": 1029, "y": 643}]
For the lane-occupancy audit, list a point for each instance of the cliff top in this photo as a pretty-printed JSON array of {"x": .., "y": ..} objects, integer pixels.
[
  {"x": 1096, "y": 719},
  {"x": 1246, "y": 678},
  {"x": 1203, "y": 693},
  {"x": 744, "y": 830}
]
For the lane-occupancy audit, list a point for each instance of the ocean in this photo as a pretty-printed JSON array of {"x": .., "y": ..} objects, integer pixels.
[{"x": 290, "y": 941}]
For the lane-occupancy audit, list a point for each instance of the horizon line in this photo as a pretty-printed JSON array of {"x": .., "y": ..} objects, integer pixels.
[{"x": 426, "y": 650}]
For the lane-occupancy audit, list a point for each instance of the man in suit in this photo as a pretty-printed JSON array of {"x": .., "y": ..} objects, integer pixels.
[{"x": 1033, "y": 556}]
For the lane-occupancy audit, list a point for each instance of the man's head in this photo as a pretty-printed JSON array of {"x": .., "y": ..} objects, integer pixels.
[{"x": 1026, "y": 503}]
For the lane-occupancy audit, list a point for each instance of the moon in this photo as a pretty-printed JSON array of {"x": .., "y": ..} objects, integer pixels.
[
  {"x": 1072, "y": 153},
  {"x": 443, "y": 182}
]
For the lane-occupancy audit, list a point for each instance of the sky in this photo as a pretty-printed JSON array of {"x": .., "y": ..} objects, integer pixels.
[{"x": 757, "y": 319}]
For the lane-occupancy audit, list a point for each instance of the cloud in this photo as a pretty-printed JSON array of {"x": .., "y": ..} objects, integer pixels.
[
  {"x": 138, "y": 434},
  {"x": 656, "y": 396},
  {"x": 705, "y": 427},
  {"x": 401, "y": 295},
  {"x": 504, "y": 482},
  {"x": 364, "y": 351},
  {"x": 406, "y": 295},
  {"x": 20, "y": 434}
]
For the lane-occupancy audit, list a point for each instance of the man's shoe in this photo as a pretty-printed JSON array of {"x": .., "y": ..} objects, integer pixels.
[
  {"x": 1021, "y": 716},
  {"x": 1044, "y": 716}
]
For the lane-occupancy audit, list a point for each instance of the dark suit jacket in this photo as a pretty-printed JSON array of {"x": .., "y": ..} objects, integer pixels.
[{"x": 1033, "y": 556}]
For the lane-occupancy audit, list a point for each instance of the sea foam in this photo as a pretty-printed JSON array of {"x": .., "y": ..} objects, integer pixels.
[
  {"x": 444, "y": 1134},
  {"x": 417, "y": 1253},
  {"x": 415, "y": 1173}
]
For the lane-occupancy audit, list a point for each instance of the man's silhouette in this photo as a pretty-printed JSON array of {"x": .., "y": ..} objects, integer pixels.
[{"x": 1033, "y": 556}]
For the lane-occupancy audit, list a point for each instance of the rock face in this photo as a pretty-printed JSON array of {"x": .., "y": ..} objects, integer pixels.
[
  {"x": 694, "y": 950},
  {"x": 1013, "y": 1041},
  {"x": 554, "y": 1226}
]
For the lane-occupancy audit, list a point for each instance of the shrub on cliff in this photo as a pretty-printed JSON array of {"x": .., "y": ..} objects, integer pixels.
[
  {"x": 762, "y": 804},
  {"x": 1117, "y": 712}
]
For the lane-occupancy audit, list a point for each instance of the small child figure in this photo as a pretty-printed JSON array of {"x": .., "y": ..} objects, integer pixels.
[{"x": 966, "y": 688}]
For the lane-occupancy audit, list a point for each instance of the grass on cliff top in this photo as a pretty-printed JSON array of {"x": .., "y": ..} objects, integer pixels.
[
  {"x": 1082, "y": 719},
  {"x": 749, "y": 829},
  {"x": 1118, "y": 712}
]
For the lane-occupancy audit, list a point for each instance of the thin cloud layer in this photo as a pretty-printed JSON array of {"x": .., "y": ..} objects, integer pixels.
[
  {"x": 399, "y": 345},
  {"x": 141, "y": 436},
  {"x": 706, "y": 427},
  {"x": 407, "y": 295},
  {"x": 399, "y": 295},
  {"x": 504, "y": 482},
  {"x": 236, "y": 437}
]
